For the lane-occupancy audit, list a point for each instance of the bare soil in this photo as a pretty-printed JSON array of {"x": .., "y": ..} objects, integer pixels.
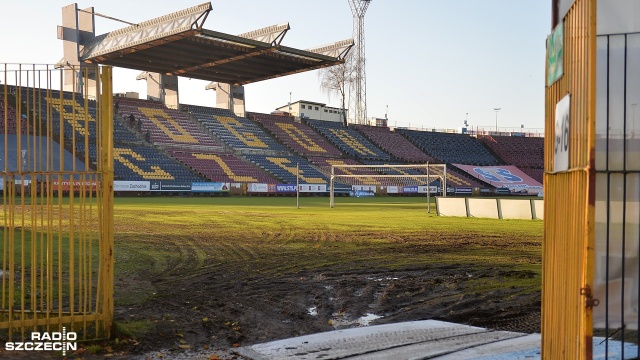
[{"x": 230, "y": 307}]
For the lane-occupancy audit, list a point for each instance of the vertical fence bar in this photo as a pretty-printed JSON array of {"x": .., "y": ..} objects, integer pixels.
[
  {"x": 107, "y": 191},
  {"x": 617, "y": 245}
]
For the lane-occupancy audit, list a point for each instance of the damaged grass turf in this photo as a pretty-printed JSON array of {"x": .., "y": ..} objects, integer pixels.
[{"x": 225, "y": 272}]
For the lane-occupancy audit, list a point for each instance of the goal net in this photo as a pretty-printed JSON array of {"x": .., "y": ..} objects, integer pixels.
[{"x": 426, "y": 179}]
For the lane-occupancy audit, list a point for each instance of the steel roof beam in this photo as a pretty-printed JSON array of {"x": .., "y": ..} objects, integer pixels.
[
  {"x": 271, "y": 34},
  {"x": 338, "y": 50},
  {"x": 138, "y": 48},
  {"x": 147, "y": 31},
  {"x": 323, "y": 65},
  {"x": 223, "y": 61}
]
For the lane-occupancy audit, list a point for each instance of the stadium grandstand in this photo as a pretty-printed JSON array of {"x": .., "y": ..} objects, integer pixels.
[
  {"x": 527, "y": 153},
  {"x": 11, "y": 126},
  {"x": 395, "y": 144},
  {"x": 18, "y": 160},
  {"x": 200, "y": 144},
  {"x": 298, "y": 136},
  {"x": 161, "y": 125},
  {"x": 403, "y": 151},
  {"x": 286, "y": 168},
  {"x": 235, "y": 131},
  {"x": 221, "y": 167},
  {"x": 252, "y": 143},
  {"x": 22, "y": 135},
  {"x": 451, "y": 148},
  {"x": 326, "y": 163},
  {"x": 348, "y": 140},
  {"x": 145, "y": 163}
]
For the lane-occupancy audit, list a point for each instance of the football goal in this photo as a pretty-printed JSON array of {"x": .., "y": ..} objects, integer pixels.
[{"x": 366, "y": 180}]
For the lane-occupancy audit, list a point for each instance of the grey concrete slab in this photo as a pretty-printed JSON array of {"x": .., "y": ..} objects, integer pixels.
[
  {"x": 415, "y": 340},
  {"x": 527, "y": 345},
  {"x": 342, "y": 344},
  {"x": 435, "y": 349}
]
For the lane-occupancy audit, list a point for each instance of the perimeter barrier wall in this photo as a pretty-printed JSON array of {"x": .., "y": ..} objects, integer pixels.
[{"x": 527, "y": 209}]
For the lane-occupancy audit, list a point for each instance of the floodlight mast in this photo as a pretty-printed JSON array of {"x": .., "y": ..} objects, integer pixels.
[{"x": 358, "y": 88}]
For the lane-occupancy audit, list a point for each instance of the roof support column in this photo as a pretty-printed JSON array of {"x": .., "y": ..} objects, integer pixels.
[
  {"x": 162, "y": 87},
  {"x": 229, "y": 97},
  {"x": 78, "y": 28}
]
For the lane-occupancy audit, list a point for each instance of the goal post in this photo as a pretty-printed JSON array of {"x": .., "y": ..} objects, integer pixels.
[{"x": 414, "y": 176}]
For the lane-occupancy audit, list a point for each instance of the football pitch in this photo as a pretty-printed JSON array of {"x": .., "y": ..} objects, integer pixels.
[{"x": 229, "y": 271}]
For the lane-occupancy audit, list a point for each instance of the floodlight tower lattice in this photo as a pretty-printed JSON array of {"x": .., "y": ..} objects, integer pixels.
[{"x": 358, "y": 88}]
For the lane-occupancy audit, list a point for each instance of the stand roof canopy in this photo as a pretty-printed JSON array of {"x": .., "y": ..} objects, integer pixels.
[{"x": 177, "y": 44}]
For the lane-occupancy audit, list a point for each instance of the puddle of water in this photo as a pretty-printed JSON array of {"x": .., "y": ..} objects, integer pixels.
[
  {"x": 368, "y": 318},
  {"x": 388, "y": 278},
  {"x": 339, "y": 321}
]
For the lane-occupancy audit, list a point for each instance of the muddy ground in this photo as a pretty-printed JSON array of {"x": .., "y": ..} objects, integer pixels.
[
  {"x": 206, "y": 316},
  {"x": 272, "y": 274},
  {"x": 227, "y": 308}
]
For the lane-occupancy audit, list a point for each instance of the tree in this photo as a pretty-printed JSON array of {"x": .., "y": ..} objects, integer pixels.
[{"x": 336, "y": 79}]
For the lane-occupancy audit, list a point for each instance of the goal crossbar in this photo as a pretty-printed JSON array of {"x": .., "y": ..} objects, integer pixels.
[{"x": 442, "y": 177}]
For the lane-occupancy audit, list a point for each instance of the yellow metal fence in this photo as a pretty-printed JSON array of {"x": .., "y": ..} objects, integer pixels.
[
  {"x": 570, "y": 197},
  {"x": 56, "y": 252}
]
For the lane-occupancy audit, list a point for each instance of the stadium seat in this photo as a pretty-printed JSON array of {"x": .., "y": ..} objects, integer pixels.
[
  {"x": 221, "y": 167},
  {"x": 299, "y": 137},
  {"x": 11, "y": 125},
  {"x": 451, "y": 148},
  {"x": 236, "y": 132},
  {"x": 164, "y": 125},
  {"x": 283, "y": 168},
  {"x": 348, "y": 140},
  {"x": 395, "y": 144},
  {"x": 36, "y": 161},
  {"x": 145, "y": 163}
]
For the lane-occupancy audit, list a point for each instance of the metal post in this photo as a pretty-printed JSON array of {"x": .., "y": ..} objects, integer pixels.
[
  {"x": 331, "y": 196},
  {"x": 298, "y": 185},
  {"x": 106, "y": 187},
  {"x": 444, "y": 187},
  {"x": 428, "y": 191}
]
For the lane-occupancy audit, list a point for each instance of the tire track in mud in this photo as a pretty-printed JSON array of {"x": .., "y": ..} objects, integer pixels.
[
  {"x": 203, "y": 254},
  {"x": 284, "y": 283},
  {"x": 221, "y": 256}
]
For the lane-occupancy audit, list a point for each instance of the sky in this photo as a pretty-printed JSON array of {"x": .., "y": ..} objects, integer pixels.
[{"x": 431, "y": 63}]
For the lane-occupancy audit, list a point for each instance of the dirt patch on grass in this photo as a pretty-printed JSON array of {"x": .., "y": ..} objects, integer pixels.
[{"x": 224, "y": 304}]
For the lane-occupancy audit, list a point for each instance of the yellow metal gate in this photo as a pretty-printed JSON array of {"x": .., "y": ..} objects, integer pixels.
[
  {"x": 570, "y": 192},
  {"x": 56, "y": 252}
]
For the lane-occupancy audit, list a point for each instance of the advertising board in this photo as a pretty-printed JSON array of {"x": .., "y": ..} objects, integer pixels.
[
  {"x": 119, "y": 185},
  {"x": 210, "y": 187},
  {"x": 504, "y": 176}
]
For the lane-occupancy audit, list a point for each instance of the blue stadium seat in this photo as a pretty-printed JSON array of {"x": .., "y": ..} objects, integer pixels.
[
  {"x": 451, "y": 148},
  {"x": 146, "y": 163},
  {"x": 237, "y": 132},
  {"x": 284, "y": 169},
  {"x": 348, "y": 140},
  {"x": 36, "y": 161}
]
